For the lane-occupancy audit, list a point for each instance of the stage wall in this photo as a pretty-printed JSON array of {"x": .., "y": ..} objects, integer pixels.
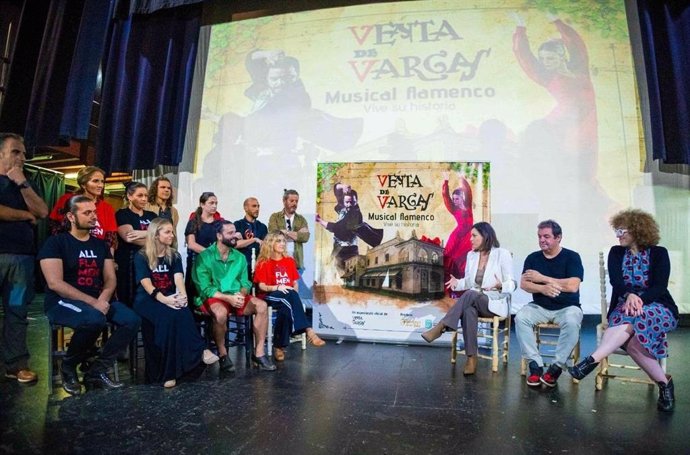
[{"x": 432, "y": 82}]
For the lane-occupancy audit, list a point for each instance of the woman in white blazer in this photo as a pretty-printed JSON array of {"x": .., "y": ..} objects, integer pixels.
[{"x": 488, "y": 279}]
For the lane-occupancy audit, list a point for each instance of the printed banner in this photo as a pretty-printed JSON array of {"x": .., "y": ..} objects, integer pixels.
[{"x": 388, "y": 237}]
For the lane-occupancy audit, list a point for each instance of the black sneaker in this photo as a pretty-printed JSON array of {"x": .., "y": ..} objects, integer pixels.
[
  {"x": 70, "y": 380},
  {"x": 550, "y": 378},
  {"x": 535, "y": 372},
  {"x": 226, "y": 364}
]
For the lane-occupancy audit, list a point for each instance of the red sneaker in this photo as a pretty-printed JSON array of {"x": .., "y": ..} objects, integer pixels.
[{"x": 535, "y": 372}]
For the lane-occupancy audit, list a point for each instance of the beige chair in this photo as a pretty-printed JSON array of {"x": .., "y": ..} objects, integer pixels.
[
  {"x": 499, "y": 336},
  {"x": 604, "y": 371}
]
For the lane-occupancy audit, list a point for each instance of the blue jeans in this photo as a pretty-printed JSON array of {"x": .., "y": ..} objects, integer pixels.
[
  {"x": 569, "y": 319},
  {"x": 17, "y": 285},
  {"x": 88, "y": 323}
]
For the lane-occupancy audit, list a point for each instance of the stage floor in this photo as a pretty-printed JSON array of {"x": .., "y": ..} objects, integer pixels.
[{"x": 349, "y": 398}]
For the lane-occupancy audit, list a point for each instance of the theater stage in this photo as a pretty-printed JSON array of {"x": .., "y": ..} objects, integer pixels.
[{"x": 349, "y": 398}]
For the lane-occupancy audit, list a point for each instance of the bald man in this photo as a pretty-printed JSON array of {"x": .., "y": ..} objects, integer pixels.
[{"x": 253, "y": 232}]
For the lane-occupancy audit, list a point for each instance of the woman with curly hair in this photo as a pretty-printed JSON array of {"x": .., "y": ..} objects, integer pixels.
[
  {"x": 276, "y": 279},
  {"x": 642, "y": 310}
]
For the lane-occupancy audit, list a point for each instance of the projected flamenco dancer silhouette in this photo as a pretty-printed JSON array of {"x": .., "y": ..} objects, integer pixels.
[
  {"x": 562, "y": 68},
  {"x": 459, "y": 204},
  {"x": 282, "y": 111}
]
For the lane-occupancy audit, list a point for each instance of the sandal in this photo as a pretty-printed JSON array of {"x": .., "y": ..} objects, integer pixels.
[
  {"x": 315, "y": 341},
  {"x": 278, "y": 354}
]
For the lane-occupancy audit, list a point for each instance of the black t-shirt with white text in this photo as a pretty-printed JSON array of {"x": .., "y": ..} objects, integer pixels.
[
  {"x": 162, "y": 277},
  {"x": 82, "y": 263}
]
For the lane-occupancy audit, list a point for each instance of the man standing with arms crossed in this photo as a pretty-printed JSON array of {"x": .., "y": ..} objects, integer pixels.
[{"x": 20, "y": 207}]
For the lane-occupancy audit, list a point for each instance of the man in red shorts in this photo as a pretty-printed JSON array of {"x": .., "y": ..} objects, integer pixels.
[{"x": 220, "y": 275}]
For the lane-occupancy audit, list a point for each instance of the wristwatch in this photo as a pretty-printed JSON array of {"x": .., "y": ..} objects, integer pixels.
[{"x": 24, "y": 185}]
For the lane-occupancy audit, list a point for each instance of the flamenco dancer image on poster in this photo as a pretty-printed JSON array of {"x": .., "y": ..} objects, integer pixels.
[
  {"x": 562, "y": 68},
  {"x": 459, "y": 204}
]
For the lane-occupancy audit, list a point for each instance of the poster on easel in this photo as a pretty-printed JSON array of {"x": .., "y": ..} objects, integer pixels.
[{"x": 388, "y": 237}]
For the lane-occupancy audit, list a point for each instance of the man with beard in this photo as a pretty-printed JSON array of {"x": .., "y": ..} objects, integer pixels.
[
  {"x": 80, "y": 277},
  {"x": 252, "y": 231},
  {"x": 220, "y": 276},
  {"x": 293, "y": 225}
]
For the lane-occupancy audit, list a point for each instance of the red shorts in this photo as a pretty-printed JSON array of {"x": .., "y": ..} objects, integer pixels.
[{"x": 206, "y": 306}]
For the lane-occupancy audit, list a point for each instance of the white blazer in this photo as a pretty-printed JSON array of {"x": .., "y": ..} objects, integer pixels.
[{"x": 500, "y": 264}]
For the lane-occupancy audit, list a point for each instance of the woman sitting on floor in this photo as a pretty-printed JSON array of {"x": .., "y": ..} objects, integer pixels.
[
  {"x": 276, "y": 277},
  {"x": 172, "y": 343},
  {"x": 488, "y": 277},
  {"x": 641, "y": 310}
]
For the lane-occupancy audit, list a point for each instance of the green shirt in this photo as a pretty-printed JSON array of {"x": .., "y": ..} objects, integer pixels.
[{"x": 211, "y": 274}]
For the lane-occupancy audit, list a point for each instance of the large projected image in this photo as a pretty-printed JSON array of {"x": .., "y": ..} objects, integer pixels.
[{"x": 548, "y": 99}]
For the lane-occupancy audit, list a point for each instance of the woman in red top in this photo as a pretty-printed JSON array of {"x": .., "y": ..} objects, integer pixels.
[
  {"x": 91, "y": 181},
  {"x": 276, "y": 277}
]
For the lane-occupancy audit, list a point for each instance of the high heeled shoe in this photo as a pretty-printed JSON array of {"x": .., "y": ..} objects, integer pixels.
[
  {"x": 470, "y": 365},
  {"x": 433, "y": 333},
  {"x": 263, "y": 363}
]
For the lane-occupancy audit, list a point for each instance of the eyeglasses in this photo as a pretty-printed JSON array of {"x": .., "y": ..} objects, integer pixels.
[{"x": 620, "y": 232}]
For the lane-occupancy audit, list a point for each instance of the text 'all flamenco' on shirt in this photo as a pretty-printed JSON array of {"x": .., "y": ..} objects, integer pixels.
[{"x": 82, "y": 263}]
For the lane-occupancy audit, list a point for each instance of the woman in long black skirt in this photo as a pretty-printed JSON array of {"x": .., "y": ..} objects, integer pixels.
[{"x": 172, "y": 343}]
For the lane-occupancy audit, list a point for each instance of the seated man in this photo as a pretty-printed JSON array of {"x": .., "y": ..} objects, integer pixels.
[
  {"x": 220, "y": 276},
  {"x": 80, "y": 278},
  {"x": 553, "y": 276}
]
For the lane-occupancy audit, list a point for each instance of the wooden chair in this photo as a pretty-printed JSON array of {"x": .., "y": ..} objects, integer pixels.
[
  {"x": 547, "y": 339},
  {"x": 604, "y": 372},
  {"x": 57, "y": 347},
  {"x": 499, "y": 336}
]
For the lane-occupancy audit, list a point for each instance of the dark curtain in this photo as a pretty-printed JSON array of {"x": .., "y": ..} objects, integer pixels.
[
  {"x": 83, "y": 73},
  {"x": 151, "y": 6},
  {"x": 665, "y": 30},
  {"x": 146, "y": 89},
  {"x": 52, "y": 70}
]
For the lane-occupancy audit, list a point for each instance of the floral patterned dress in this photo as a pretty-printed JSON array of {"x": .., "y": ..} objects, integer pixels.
[{"x": 656, "y": 320}]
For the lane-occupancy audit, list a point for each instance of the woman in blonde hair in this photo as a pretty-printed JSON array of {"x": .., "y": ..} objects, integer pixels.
[
  {"x": 172, "y": 342},
  {"x": 91, "y": 181},
  {"x": 642, "y": 310},
  {"x": 276, "y": 277}
]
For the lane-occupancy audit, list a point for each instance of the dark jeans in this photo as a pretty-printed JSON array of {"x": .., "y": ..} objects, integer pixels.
[
  {"x": 88, "y": 323},
  {"x": 17, "y": 285},
  {"x": 290, "y": 319}
]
